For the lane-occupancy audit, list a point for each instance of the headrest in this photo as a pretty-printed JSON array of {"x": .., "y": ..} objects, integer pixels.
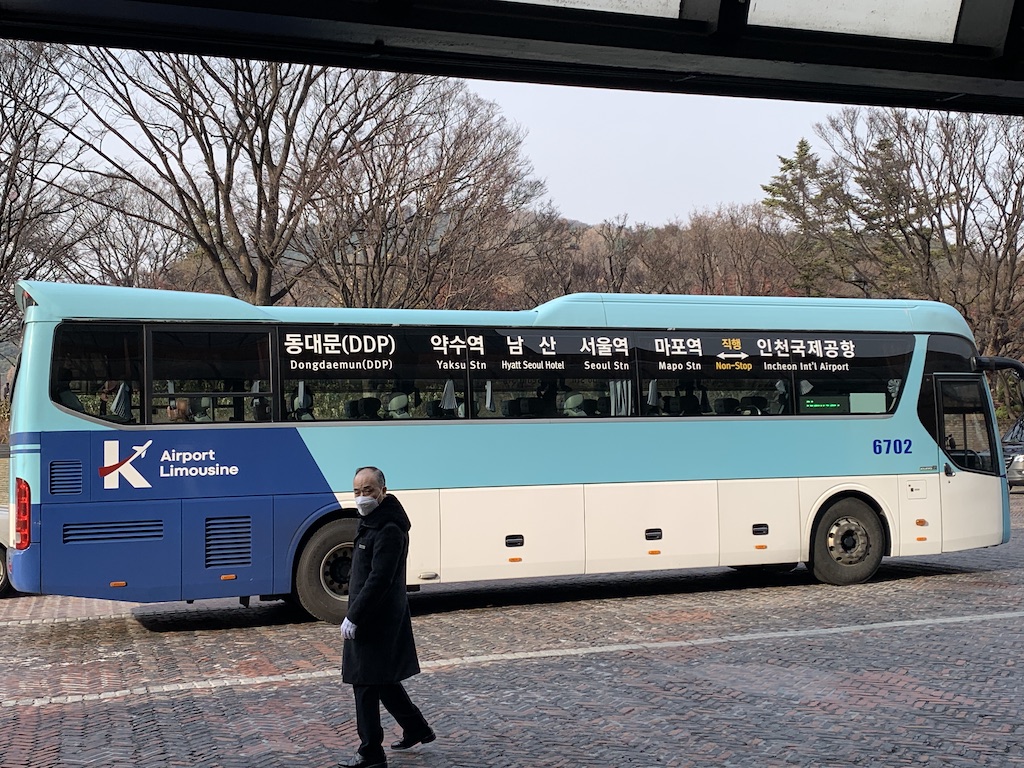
[
  {"x": 574, "y": 400},
  {"x": 398, "y": 402},
  {"x": 306, "y": 401},
  {"x": 531, "y": 406}
]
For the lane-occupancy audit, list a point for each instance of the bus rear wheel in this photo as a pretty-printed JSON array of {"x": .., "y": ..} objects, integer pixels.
[
  {"x": 322, "y": 575},
  {"x": 847, "y": 544},
  {"x": 5, "y": 577}
]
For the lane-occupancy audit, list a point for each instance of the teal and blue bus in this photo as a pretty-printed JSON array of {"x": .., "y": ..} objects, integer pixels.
[{"x": 176, "y": 446}]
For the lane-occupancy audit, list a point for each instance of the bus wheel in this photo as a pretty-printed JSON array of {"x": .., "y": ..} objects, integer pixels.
[
  {"x": 847, "y": 545},
  {"x": 5, "y": 578},
  {"x": 321, "y": 579}
]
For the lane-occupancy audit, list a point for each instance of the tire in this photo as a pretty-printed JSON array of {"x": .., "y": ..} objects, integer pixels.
[
  {"x": 848, "y": 544},
  {"x": 5, "y": 578},
  {"x": 322, "y": 575}
]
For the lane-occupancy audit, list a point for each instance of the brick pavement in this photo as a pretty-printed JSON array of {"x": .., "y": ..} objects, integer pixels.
[{"x": 922, "y": 667}]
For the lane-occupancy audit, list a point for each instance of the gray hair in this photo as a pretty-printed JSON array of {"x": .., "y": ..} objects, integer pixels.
[{"x": 378, "y": 475}]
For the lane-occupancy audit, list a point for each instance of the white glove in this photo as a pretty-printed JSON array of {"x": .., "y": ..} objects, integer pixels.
[{"x": 348, "y": 630}]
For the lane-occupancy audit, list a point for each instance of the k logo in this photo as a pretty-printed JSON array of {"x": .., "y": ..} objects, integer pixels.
[{"x": 114, "y": 467}]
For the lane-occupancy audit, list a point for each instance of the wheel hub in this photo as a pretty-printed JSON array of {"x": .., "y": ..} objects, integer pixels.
[
  {"x": 848, "y": 541},
  {"x": 335, "y": 571}
]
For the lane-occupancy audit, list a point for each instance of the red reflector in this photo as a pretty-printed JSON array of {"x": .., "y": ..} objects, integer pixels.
[{"x": 22, "y": 514}]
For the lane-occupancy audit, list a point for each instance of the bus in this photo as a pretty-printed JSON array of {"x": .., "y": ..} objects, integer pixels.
[{"x": 170, "y": 446}]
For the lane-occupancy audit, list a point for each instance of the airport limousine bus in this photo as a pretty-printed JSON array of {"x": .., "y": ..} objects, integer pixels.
[{"x": 173, "y": 446}]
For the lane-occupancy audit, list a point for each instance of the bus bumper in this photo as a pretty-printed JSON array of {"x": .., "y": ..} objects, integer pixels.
[{"x": 23, "y": 569}]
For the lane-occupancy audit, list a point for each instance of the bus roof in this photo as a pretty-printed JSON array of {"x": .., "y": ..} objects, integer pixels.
[{"x": 59, "y": 301}]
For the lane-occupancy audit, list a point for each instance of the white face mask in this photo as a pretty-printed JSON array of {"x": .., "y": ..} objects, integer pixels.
[{"x": 366, "y": 504}]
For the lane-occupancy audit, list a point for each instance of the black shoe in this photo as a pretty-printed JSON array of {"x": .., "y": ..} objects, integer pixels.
[
  {"x": 412, "y": 741},
  {"x": 362, "y": 762}
]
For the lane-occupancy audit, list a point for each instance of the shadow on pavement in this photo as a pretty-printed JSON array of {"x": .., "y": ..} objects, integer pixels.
[
  {"x": 197, "y": 618},
  {"x": 436, "y": 599}
]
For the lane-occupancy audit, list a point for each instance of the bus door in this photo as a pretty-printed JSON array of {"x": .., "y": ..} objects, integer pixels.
[{"x": 972, "y": 498}]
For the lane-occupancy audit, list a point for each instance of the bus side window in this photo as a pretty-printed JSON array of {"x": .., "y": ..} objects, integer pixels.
[{"x": 228, "y": 369}]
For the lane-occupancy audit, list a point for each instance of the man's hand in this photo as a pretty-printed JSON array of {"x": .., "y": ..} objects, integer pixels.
[{"x": 348, "y": 630}]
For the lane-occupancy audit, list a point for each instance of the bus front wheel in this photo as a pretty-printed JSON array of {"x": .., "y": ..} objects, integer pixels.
[
  {"x": 848, "y": 543},
  {"x": 322, "y": 575}
]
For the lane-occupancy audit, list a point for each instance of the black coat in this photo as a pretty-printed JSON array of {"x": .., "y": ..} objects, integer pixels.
[{"x": 383, "y": 650}]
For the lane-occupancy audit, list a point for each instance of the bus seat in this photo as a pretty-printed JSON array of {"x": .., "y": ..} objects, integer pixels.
[
  {"x": 755, "y": 401},
  {"x": 672, "y": 405},
  {"x": 531, "y": 407},
  {"x": 590, "y": 406},
  {"x": 302, "y": 408},
  {"x": 435, "y": 411},
  {"x": 604, "y": 406},
  {"x": 398, "y": 407},
  {"x": 474, "y": 408},
  {"x": 121, "y": 403},
  {"x": 260, "y": 409},
  {"x": 369, "y": 409},
  {"x": 69, "y": 399},
  {"x": 510, "y": 409},
  {"x": 725, "y": 406},
  {"x": 689, "y": 405},
  {"x": 63, "y": 393},
  {"x": 202, "y": 411},
  {"x": 573, "y": 405}
]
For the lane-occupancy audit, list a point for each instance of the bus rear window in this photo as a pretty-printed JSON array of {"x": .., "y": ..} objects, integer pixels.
[{"x": 97, "y": 370}]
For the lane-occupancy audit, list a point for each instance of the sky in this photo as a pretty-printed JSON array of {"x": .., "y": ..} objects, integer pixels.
[{"x": 655, "y": 157}]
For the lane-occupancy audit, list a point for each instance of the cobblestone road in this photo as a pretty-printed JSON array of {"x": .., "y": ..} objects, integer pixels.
[{"x": 924, "y": 666}]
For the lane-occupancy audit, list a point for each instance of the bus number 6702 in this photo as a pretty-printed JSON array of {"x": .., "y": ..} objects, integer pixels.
[{"x": 891, "y": 446}]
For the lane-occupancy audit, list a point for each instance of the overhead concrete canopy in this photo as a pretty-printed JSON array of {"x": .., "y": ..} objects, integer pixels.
[{"x": 963, "y": 55}]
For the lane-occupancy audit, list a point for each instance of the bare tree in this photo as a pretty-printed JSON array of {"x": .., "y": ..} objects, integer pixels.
[
  {"x": 730, "y": 250},
  {"x": 920, "y": 204},
  {"x": 430, "y": 211},
  {"x": 744, "y": 242},
  {"x": 38, "y": 204},
  {"x": 239, "y": 148},
  {"x": 128, "y": 238},
  {"x": 553, "y": 264},
  {"x": 617, "y": 247}
]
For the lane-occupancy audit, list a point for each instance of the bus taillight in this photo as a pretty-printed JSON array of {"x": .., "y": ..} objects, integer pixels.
[{"x": 22, "y": 514}]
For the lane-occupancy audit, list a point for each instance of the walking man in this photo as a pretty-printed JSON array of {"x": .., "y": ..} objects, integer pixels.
[{"x": 379, "y": 650}]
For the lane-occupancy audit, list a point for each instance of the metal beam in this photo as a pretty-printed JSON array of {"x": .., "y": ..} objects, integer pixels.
[{"x": 708, "y": 47}]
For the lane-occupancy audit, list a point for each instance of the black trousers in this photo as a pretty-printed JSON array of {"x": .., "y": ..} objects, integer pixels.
[{"x": 397, "y": 702}]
